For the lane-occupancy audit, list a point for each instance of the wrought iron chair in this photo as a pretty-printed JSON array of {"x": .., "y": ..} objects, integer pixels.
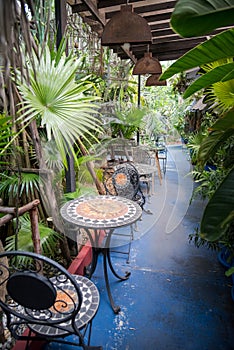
[
  {"x": 44, "y": 302},
  {"x": 142, "y": 155},
  {"x": 124, "y": 181}
]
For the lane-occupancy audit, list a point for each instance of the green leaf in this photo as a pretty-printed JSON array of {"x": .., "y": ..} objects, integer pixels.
[
  {"x": 198, "y": 17},
  {"x": 212, "y": 143},
  {"x": 222, "y": 73},
  {"x": 230, "y": 271},
  {"x": 225, "y": 123},
  {"x": 218, "y": 47},
  {"x": 54, "y": 97},
  {"x": 48, "y": 237},
  {"x": 222, "y": 130},
  {"x": 219, "y": 211}
]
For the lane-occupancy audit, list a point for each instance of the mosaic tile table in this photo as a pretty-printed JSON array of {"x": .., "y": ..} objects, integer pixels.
[{"x": 98, "y": 213}]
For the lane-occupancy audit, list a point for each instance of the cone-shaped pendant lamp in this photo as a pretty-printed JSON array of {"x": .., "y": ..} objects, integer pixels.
[
  {"x": 126, "y": 27},
  {"x": 153, "y": 81},
  {"x": 147, "y": 65}
]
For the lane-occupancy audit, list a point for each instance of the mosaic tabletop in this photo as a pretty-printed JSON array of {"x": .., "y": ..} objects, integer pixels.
[{"x": 101, "y": 212}]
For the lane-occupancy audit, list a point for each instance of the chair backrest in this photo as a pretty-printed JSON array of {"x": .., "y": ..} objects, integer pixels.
[
  {"x": 127, "y": 183},
  {"x": 126, "y": 180},
  {"x": 141, "y": 155},
  {"x": 39, "y": 293},
  {"x": 120, "y": 149}
]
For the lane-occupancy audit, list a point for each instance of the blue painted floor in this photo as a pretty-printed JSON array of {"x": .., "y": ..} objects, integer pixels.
[{"x": 177, "y": 296}]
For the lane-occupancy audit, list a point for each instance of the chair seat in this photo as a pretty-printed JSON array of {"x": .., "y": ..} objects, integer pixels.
[
  {"x": 44, "y": 301},
  {"x": 90, "y": 303}
]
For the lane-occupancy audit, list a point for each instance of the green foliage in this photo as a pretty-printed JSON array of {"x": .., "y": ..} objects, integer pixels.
[
  {"x": 190, "y": 18},
  {"x": 218, "y": 47},
  {"x": 84, "y": 176},
  {"x": 198, "y": 17},
  {"x": 154, "y": 125},
  {"x": 219, "y": 212},
  {"x": 207, "y": 181},
  {"x": 222, "y": 132},
  {"x": 15, "y": 185},
  {"x": 49, "y": 238},
  {"x": 127, "y": 122},
  {"x": 165, "y": 108},
  {"x": 52, "y": 156},
  {"x": 194, "y": 143},
  {"x": 5, "y": 136},
  {"x": 221, "y": 75},
  {"x": 198, "y": 241},
  {"x": 61, "y": 104}
]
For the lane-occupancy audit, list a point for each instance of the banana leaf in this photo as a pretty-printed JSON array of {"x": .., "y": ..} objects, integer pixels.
[
  {"x": 211, "y": 144},
  {"x": 219, "y": 212},
  {"x": 219, "y": 47},
  {"x": 198, "y": 17},
  {"x": 225, "y": 123},
  {"x": 221, "y": 131},
  {"x": 221, "y": 73}
]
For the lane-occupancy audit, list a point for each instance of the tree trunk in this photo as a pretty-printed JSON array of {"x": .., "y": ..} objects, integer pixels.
[
  {"x": 35, "y": 230},
  {"x": 90, "y": 167},
  {"x": 48, "y": 193}
]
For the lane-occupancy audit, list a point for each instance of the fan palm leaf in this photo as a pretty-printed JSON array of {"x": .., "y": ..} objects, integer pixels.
[
  {"x": 62, "y": 104},
  {"x": 15, "y": 185}
]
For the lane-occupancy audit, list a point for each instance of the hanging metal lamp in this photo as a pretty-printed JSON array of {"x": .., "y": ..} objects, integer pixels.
[
  {"x": 147, "y": 65},
  {"x": 153, "y": 81},
  {"x": 126, "y": 27}
]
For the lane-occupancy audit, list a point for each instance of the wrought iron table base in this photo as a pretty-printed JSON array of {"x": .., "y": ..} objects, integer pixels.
[{"x": 106, "y": 260}]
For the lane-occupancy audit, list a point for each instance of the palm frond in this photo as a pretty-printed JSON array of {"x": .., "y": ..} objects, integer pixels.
[
  {"x": 17, "y": 184},
  {"x": 60, "y": 102},
  {"x": 49, "y": 238}
]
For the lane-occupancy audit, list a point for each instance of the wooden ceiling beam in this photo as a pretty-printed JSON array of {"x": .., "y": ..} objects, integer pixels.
[
  {"x": 162, "y": 32},
  {"x": 92, "y": 7},
  {"x": 160, "y": 25},
  {"x": 144, "y": 10},
  {"x": 166, "y": 44},
  {"x": 158, "y": 17},
  {"x": 161, "y": 4},
  {"x": 107, "y": 3}
]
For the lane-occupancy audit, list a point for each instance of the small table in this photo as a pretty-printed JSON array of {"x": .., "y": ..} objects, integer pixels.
[
  {"x": 98, "y": 213},
  {"x": 156, "y": 150}
]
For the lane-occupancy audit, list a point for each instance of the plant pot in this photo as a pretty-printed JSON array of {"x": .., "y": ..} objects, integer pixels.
[
  {"x": 224, "y": 258},
  {"x": 209, "y": 167}
]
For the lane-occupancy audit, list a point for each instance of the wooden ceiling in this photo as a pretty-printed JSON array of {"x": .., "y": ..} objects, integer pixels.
[{"x": 166, "y": 45}]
